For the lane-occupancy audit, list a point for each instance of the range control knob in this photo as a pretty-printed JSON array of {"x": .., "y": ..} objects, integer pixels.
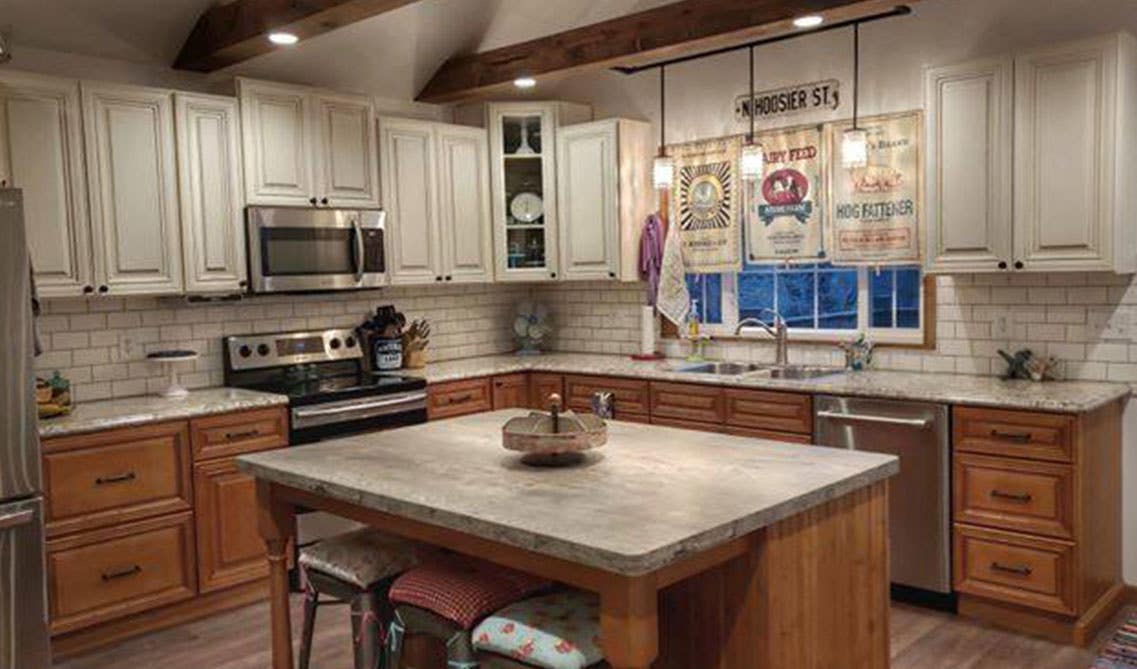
[
  {"x": 334, "y": 343},
  {"x": 262, "y": 349},
  {"x": 349, "y": 342},
  {"x": 244, "y": 351}
]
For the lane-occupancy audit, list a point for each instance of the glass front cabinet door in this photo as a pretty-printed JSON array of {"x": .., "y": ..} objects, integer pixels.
[{"x": 523, "y": 150}]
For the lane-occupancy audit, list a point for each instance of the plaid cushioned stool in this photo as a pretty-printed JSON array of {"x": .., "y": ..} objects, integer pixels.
[
  {"x": 559, "y": 630},
  {"x": 445, "y": 598},
  {"x": 355, "y": 568}
]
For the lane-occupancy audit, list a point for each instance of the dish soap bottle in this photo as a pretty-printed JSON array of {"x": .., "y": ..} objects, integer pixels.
[{"x": 694, "y": 335}]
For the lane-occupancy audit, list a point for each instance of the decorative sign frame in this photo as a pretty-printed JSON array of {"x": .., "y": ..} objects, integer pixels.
[
  {"x": 789, "y": 101},
  {"x": 704, "y": 204},
  {"x": 876, "y": 212},
  {"x": 785, "y": 209}
]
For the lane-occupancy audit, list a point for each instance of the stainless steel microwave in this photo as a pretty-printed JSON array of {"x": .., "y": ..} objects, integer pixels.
[{"x": 293, "y": 249}]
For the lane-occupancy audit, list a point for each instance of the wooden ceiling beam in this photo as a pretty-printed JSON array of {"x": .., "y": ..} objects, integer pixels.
[
  {"x": 230, "y": 33},
  {"x": 669, "y": 31}
]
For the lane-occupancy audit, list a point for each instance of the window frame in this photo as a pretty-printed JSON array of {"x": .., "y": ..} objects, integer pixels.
[{"x": 911, "y": 337}]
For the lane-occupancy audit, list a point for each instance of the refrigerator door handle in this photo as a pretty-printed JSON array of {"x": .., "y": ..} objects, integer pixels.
[{"x": 10, "y": 520}]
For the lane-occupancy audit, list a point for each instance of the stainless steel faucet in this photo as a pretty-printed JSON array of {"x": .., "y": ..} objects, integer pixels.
[{"x": 778, "y": 331}]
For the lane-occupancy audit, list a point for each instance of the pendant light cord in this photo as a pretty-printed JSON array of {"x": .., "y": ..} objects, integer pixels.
[
  {"x": 856, "y": 71},
  {"x": 750, "y": 105},
  {"x": 662, "y": 110}
]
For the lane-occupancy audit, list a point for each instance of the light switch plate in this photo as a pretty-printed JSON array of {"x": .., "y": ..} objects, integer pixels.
[{"x": 1001, "y": 325}]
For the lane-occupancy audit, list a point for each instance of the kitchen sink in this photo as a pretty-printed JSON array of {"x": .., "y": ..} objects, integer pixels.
[
  {"x": 758, "y": 369},
  {"x": 721, "y": 368},
  {"x": 799, "y": 372}
]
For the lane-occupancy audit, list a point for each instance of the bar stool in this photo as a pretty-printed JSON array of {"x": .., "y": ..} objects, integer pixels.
[
  {"x": 558, "y": 630},
  {"x": 445, "y": 598},
  {"x": 355, "y": 568}
]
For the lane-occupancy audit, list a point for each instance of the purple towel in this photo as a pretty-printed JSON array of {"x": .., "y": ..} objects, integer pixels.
[{"x": 651, "y": 255}]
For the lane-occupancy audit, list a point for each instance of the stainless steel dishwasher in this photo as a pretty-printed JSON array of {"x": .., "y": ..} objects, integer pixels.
[{"x": 919, "y": 520}]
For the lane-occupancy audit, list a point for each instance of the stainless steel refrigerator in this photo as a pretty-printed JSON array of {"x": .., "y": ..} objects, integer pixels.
[{"x": 23, "y": 610}]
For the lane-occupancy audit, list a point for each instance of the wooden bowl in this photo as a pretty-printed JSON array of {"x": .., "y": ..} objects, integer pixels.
[{"x": 554, "y": 440}]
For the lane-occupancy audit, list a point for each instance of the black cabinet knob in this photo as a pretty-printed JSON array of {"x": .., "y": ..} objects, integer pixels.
[
  {"x": 242, "y": 283},
  {"x": 1002, "y": 264},
  {"x": 88, "y": 289},
  {"x": 611, "y": 275},
  {"x": 437, "y": 278},
  {"x": 449, "y": 278},
  {"x": 103, "y": 289},
  {"x": 312, "y": 200},
  {"x": 324, "y": 201},
  {"x": 553, "y": 274},
  {"x": 1018, "y": 264}
]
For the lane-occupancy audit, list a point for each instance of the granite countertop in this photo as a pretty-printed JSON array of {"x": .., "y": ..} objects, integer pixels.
[
  {"x": 106, "y": 414},
  {"x": 650, "y": 497},
  {"x": 1067, "y": 396}
]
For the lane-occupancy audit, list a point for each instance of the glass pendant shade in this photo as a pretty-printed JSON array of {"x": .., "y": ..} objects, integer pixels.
[
  {"x": 662, "y": 171},
  {"x": 855, "y": 148},
  {"x": 753, "y": 162}
]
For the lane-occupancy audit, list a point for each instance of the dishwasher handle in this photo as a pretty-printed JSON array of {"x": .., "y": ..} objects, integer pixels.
[{"x": 919, "y": 423}]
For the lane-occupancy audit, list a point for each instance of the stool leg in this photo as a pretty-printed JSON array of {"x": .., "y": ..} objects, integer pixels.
[
  {"x": 366, "y": 630},
  {"x": 311, "y": 605},
  {"x": 394, "y": 647},
  {"x": 460, "y": 652}
]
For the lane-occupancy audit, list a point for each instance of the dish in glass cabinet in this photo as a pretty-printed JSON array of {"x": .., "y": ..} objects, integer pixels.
[{"x": 527, "y": 207}]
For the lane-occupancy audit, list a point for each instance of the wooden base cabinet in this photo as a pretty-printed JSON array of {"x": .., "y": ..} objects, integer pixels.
[
  {"x": 1037, "y": 519},
  {"x": 229, "y": 550}
]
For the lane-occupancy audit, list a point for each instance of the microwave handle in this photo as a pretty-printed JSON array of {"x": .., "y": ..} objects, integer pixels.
[{"x": 359, "y": 251}]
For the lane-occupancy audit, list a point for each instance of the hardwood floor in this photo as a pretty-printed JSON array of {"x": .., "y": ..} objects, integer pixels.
[{"x": 921, "y": 639}]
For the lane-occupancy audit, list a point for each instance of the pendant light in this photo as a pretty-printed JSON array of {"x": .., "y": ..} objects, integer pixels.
[
  {"x": 663, "y": 168},
  {"x": 855, "y": 142},
  {"x": 753, "y": 161}
]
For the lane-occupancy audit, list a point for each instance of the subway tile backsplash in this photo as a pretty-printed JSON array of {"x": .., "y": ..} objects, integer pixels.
[{"x": 1087, "y": 320}]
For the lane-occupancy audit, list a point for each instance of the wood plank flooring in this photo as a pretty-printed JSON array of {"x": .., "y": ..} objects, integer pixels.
[{"x": 921, "y": 639}]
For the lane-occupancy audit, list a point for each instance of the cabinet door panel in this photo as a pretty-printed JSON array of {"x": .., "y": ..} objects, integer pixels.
[
  {"x": 1064, "y": 106},
  {"x": 969, "y": 164},
  {"x": 133, "y": 188},
  {"x": 409, "y": 197},
  {"x": 213, "y": 239},
  {"x": 275, "y": 124},
  {"x": 347, "y": 151},
  {"x": 40, "y": 123},
  {"x": 464, "y": 204},
  {"x": 586, "y": 173},
  {"x": 229, "y": 549}
]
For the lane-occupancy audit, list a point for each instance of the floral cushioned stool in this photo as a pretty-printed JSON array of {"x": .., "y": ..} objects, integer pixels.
[{"x": 559, "y": 630}]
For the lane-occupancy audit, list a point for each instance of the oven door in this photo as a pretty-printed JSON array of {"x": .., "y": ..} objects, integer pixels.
[{"x": 299, "y": 249}]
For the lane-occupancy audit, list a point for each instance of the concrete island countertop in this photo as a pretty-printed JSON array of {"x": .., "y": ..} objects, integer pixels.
[
  {"x": 651, "y": 496},
  {"x": 128, "y": 411},
  {"x": 990, "y": 391}
]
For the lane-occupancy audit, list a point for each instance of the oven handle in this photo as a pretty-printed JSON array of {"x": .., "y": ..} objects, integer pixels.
[
  {"x": 359, "y": 250},
  {"x": 869, "y": 418},
  {"x": 363, "y": 406}
]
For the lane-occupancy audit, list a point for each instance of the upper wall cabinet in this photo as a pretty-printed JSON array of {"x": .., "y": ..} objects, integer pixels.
[
  {"x": 604, "y": 193},
  {"x": 41, "y": 152},
  {"x": 436, "y": 194},
  {"x": 209, "y": 184},
  {"x": 1071, "y": 157},
  {"x": 133, "y": 189},
  {"x": 307, "y": 147}
]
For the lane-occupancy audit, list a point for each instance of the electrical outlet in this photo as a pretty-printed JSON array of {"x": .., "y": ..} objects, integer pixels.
[
  {"x": 127, "y": 346},
  {"x": 1001, "y": 326}
]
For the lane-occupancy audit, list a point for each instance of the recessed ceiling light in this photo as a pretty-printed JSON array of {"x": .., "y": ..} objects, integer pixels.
[
  {"x": 283, "y": 38},
  {"x": 810, "y": 21},
  {"x": 525, "y": 82}
]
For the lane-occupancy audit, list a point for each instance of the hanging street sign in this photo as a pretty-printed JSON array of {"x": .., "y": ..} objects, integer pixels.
[{"x": 789, "y": 101}]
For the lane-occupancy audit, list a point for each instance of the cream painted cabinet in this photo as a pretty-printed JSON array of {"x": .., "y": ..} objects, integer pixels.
[
  {"x": 464, "y": 204},
  {"x": 604, "y": 194},
  {"x": 306, "y": 147},
  {"x": 1076, "y": 156},
  {"x": 436, "y": 194},
  {"x": 211, "y": 196},
  {"x": 969, "y": 116},
  {"x": 410, "y": 190},
  {"x": 41, "y": 153},
  {"x": 133, "y": 189},
  {"x": 1032, "y": 160}
]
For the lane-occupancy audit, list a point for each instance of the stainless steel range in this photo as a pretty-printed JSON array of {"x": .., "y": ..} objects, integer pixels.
[{"x": 330, "y": 395}]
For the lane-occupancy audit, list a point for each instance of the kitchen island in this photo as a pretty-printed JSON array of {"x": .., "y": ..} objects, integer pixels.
[{"x": 707, "y": 550}]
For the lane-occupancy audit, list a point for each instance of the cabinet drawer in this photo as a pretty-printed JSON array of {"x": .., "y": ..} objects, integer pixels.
[
  {"x": 785, "y": 437},
  {"x": 232, "y": 434},
  {"x": 110, "y": 573},
  {"x": 510, "y": 391},
  {"x": 686, "y": 424},
  {"x": 541, "y": 386},
  {"x": 99, "y": 479},
  {"x": 459, "y": 398},
  {"x": 1036, "y": 497},
  {"x": 764, "y": 410},
  {"x": 230, "y": 550},
  {"x": 630, "y": 396},
  {"x": 1020, "y": 434},
  {"x": 1015, "y": 568},
  {"x": 689, "y": 402}
]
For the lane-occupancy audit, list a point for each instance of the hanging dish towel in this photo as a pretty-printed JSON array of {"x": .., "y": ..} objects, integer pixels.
[
  {"x": 651, "y": 255},
  {"x": 673, "y": 300}
]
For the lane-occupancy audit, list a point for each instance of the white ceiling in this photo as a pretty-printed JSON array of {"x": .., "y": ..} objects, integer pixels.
[{"x": 391, "y": 55}]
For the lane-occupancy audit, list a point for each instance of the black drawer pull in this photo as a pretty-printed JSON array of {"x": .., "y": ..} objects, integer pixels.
[
  {"x": 1018, "y": 569},
  {"x": 248, "y": 434},
  {"x": 116, "y": 478},
  {"x": 1021, "y": 497},
  {"x": 1021, "y": 437},
  {"x": 457, "y": 399},
  {"x": 121, "y": 573}
]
